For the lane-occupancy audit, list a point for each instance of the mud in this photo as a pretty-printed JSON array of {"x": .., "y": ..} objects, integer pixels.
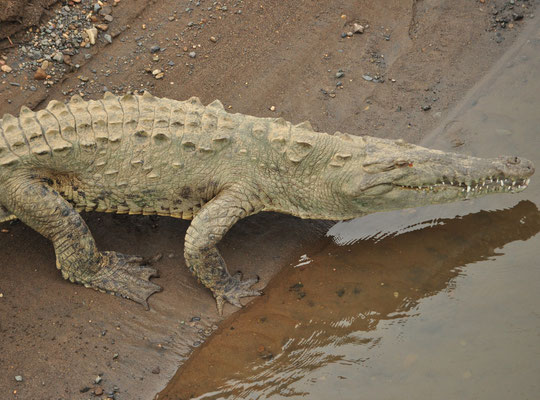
[
  {"x": 18, "y": 15},
  {"x": 58, "y": 336}
]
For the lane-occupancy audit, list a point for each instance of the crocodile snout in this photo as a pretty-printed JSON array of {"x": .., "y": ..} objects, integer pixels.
[{"x": 515, "y": 166}]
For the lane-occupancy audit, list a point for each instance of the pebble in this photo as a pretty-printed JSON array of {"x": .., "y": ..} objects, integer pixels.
[
  {"x": 19, "y": 378},
  {"x": 357, "y": 28},
  {"x": 272, "y": 108},
  {"x": 343, "y": 35},
  {"x": 156, "y": 370},
  {"x": 340, "y": 74},
  {"x": 367, "y": 78},
  {"x": 155, "y": 49},
  {"x": 98, "y": 391},
  {"x": 426, "y": 108},
  {"x": 195, "y": 319},
  {"x": 213, "y": 39},
  {"x": 98, "y": 379},
  {"x": 92, "y": 35},
  {"x": 192, "y": 54},
  {"x": 40, "y": 74},
  {"x": 6, "y": 68},
  {"x": 108, "y": 18},
  {"x": 108, "y": 38},
  {"x": 349, "y": 34}
]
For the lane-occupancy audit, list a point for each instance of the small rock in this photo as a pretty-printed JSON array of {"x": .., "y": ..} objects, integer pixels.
[
  {"x": 340, "y": 74},
  {"x": 40, "y": 75},
  {"x": 108, "y": 18},
  {"x": 156, "y": 370},
  {"x": 102, "y": 27},
  {"x": 6, "y": 68},
  {"x": 272, "y": 108},
  {"x": 98, "y": 391},
  {"x": 171, "y": 18},
  {"x": 349, "y": 34},
  {"x": 367, "y": 78},
  {"x": 155, "y": 57},
  {"x": 84, "y": 389},
  {"x": 92, "y": 35},
  {"x": 58, "y": 57},
  {"x": 108, "y": 38},
  {"x": 517, "y": 17},
  {"x": 213, "y": 39},
  {"x": 45, "y": 65},
  {"x": 19, "y": 378},
  {"x": 192, "y": 54},
  {"x": 343, "y": 35},
  {"x": 426, "y": 108},
  {"x": 357, "y": 28},
  {"x": 98, "y": 379},
  {"x": 156, "y": 71},
  {"x": 155, "y": 49},
  {"x": 160, "y": 75}
]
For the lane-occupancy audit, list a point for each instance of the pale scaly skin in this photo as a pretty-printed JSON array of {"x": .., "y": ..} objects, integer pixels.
[{"x": 146, "y": 155}]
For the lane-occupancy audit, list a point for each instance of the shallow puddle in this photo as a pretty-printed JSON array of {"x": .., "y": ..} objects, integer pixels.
[{"x": 439, "y": 302}]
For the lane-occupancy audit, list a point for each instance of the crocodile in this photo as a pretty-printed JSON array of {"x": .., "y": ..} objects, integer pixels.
[{"x": 140, "y": 154}]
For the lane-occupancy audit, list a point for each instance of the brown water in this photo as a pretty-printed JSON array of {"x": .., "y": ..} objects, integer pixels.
[{"x": 440, "y": 302}]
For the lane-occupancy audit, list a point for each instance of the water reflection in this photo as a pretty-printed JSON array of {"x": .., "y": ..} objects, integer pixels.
[{"x": 354, "y": 294}]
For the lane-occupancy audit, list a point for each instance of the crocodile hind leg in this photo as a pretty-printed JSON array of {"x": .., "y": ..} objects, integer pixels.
[
  {"x": 203, "y": 258},
  {"x": 43, "y": 209}
]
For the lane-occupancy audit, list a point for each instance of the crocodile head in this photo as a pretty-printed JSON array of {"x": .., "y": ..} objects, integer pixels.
[{"x": 386, "y": 175}]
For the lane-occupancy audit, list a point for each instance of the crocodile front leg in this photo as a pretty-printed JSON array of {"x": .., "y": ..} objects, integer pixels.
[
  {"x": 43, "y": 209},
  {"x": 206, "y": 230}
]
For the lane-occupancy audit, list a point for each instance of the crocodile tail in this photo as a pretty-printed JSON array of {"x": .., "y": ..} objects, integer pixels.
[{"x": 5, "y": 215}]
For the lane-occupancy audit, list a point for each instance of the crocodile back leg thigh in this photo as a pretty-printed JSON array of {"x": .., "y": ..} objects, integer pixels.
[{"x": 44, "y": 210}]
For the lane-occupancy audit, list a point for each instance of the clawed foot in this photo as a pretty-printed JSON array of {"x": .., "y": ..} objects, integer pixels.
[
  {"x": 126, "y": 276},
  {"x": 234, "y": 289}
]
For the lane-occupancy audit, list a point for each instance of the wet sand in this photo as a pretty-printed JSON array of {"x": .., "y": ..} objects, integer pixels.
[
  {"x": 58, "y": 336},
  {"x": 439, "y": 302}
]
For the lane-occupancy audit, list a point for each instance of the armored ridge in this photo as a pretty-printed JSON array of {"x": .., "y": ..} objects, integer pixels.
[
  {"x": 149, "y": 155},
  {"x": 133, "y": 143}
]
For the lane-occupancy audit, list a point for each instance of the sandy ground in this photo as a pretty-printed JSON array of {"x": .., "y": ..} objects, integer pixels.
[{"x": 58, "y": 336}]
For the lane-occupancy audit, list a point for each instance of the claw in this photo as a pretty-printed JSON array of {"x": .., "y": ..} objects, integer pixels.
[
  {"x": 220, "y": 302},
  {"x": 125, "y": 276},
  {"x": 233, "y": 290}
]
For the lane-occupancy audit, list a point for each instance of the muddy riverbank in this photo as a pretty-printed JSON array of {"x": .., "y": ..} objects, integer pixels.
[{"x": 413, "y": 63}]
